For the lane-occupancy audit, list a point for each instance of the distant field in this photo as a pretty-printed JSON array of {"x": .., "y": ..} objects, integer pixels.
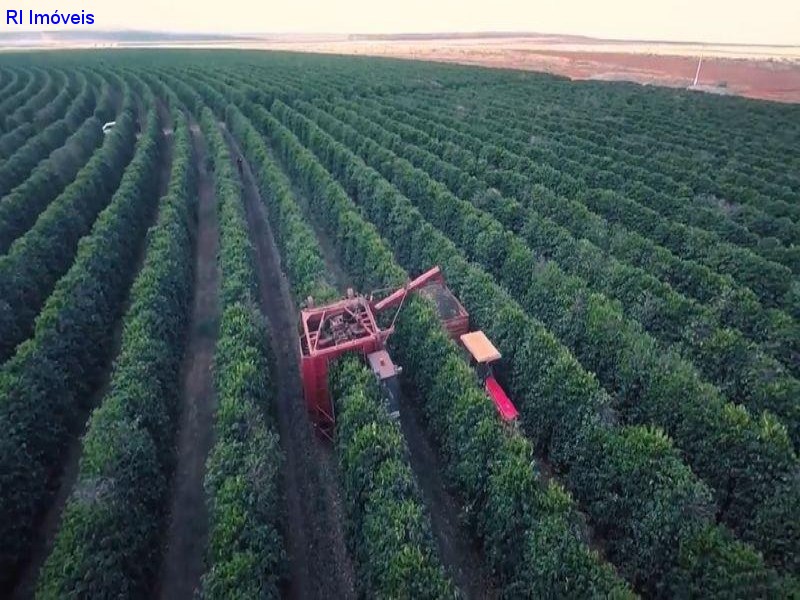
[
  {"x": 633, "y": 252},
  {"x": 765, "y": 72}
]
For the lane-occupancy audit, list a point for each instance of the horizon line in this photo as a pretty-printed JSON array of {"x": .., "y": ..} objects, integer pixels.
[{"x": 397, "y": 36}]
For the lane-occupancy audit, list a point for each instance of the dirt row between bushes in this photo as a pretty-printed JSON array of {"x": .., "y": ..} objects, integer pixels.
[{"x": 457, "y": 548}]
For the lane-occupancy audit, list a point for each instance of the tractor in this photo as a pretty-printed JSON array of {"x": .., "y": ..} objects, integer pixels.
[{"x": 351, "y": 325}]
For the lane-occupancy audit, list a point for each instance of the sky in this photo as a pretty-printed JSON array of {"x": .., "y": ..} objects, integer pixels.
[{"x": 720, "y": 21}]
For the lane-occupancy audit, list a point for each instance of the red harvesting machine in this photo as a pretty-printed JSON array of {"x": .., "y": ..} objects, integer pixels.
[{"x": 350, "y": 325}]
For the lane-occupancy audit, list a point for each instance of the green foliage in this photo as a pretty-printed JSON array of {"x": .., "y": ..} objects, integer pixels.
[
  {"x": 236, "y": 252},
  {"x": 36, "y": 260},
  {"x": 742, "y": 370},
  {"x": 41, "y": 110},
  {"x": 109, "y": 540},
  {"x": 470, "y": 147},
  {"x": 687, "y": 220},
  {"x": 616, "y": 262},
  {"x": 531, "y": 534},
  {"x": 17, "y": 168},
  {"x": 388, "y": 530},
  {"x": 462, "y": 420},
  {"x": 368, "y": 260},
  {"x": 245, "y": 553},
  {"x": 625, "y": 359},
  {"x": 19, "y": 79},
  {"x": 301, "y": 252},
  {"x": 22, "y": 91},
  {"x": 22, "y": 206},
  {"x": 49, "y": 380},
  {"x": 419, "y": 245}
]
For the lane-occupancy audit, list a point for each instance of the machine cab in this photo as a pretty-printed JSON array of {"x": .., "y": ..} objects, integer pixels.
[{"x": 386, "y": 373}]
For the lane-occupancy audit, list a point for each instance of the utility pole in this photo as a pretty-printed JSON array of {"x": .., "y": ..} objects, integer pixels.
[{"x": 697, "y": 73}]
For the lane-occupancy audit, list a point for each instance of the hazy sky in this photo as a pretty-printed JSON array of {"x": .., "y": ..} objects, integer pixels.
[{"x": 763, "y": 21}]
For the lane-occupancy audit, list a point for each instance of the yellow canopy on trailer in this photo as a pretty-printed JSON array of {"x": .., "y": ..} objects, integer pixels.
[{"x": 480, "y": 347}]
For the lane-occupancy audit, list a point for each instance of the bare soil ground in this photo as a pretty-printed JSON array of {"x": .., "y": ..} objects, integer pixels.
[
  {"x": 762, "y": 79},
  {"x": 183, "y": 563},
  {"x": 319, "y": 564},
  {"x": 51, "y": 521},
  {"x": 457, "y": 548},
  {"x": 340, "y": 280},
  {"x": 337, "y": 276}
]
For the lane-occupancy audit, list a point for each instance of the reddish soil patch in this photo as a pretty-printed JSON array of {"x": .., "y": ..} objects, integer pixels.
[
  {"x": 752, "y": 78},
  {"x": 763, "y": 72},
  {"x": 759, "y": 79},
  {"x": 183, "y": 564}
]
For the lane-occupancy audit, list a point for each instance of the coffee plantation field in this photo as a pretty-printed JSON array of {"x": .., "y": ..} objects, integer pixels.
[{"x": 633, "y": 252}]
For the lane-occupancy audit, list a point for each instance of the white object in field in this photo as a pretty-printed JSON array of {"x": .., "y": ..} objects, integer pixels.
[
  {"x": 109, "y": 126},
  {"x": 697, "y": 73}
]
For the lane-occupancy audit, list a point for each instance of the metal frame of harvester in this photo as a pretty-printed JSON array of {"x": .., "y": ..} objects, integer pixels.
[{"x": 351, "y": 325}]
